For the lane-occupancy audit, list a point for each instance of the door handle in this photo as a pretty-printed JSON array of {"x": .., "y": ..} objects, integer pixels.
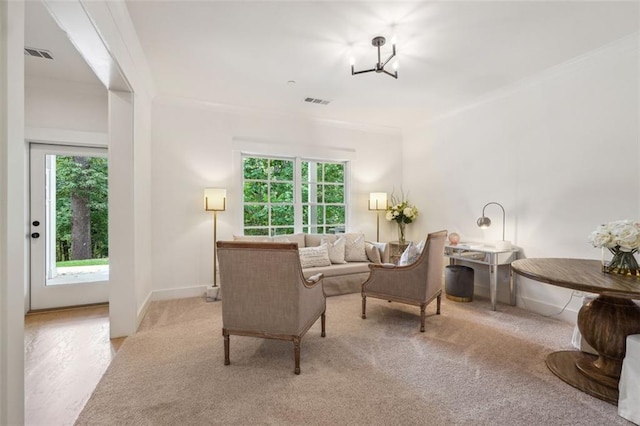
[{"x": 35, "y": 235}]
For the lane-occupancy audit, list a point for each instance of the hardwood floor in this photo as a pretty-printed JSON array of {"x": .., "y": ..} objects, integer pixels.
[{"x": 66, "y": 353}]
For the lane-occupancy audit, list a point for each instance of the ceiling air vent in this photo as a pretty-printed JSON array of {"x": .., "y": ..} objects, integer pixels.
[
  {"x": 38, "y": 53},
  {"x": 316, "y": 101}
]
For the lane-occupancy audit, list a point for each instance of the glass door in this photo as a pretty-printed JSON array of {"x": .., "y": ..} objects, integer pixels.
[{"x": 68, "y": 226}]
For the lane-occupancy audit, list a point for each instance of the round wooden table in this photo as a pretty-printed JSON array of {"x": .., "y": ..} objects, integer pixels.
[{"x": 604, "y": 322}]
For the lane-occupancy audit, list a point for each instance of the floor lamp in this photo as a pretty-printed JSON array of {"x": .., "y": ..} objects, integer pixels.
[
  {"x": 378, "y": 202},
  {"x": 215, "y": 200}
]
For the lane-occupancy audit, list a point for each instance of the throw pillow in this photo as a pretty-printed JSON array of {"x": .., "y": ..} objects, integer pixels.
[
  {"x": 311, "y": 257},
  {"x": 354, "y": 250},
  {"x": 290, "y": 238},
  {"x": 373, "y": 252},
  {"x": 336, "y": 249},
  {"x": 411, "y": 253}
]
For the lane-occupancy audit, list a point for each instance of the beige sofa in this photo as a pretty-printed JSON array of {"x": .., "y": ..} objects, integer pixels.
[{"x": 339, "y": 278}]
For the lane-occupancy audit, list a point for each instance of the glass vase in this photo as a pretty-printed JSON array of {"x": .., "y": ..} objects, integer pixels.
[
  {"x": 622, "y": 262},
  {"x": 401, "y": 238}
]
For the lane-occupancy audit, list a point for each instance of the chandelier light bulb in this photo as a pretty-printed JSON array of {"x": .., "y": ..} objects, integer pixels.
[
  {"x": 352, "y": 61},
  {"x": 396, "y": 64}
]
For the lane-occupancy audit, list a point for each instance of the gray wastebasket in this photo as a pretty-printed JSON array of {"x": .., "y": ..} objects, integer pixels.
[{"x": 458, "y": 283}]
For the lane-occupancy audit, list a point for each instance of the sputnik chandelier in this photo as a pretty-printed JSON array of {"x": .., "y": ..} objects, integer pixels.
[{"x": 378, "y": 42}]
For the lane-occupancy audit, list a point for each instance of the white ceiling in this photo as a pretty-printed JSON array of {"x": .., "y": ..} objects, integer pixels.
[
  {"x": 42, "y": 32},
  {"x": 450, "y": 52}
]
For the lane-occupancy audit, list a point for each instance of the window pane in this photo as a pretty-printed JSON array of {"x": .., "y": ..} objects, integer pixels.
[
  {"x": 255, "y": 168},
  {"x": 337, "y": 229},
  {"x": 311, "y": 193},
  {"x": 305, "y": 192},
  {"x": 282, "y": 215},
  {"x": 305, "y": 215},
  {"x": 256, "y": 231},
  {"x": 319, "y": 214},
  {"x": 333, "y": 194},
  {"x": 319, "y": 173},
  {"x": 256, "y": 215},
  {"x": 282, "y": 170},
  {"x": 283, "y": 231},
  {"x": 335, "y": 215},
  {"x": 281, "y": 193},
  {"x": 255, "y": 192},
  {"x": 320, "y": 194},
  {"x": 334, "y": 172},
  {"x": 304, "y": 167}
]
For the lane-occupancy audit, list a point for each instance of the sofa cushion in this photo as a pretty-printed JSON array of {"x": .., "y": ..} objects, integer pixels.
[
  {"x": 313, "y": 240},
  {"x": 254, "y": 238},
  {"x": 311, "y": 257},
  {"x": 337, "y": 270},
  {"x": 290, "y": 238},
  {"x": 354, "y": 250},
  {"x": 336, "y": 248},
  {"x": 373, "y": 251}
]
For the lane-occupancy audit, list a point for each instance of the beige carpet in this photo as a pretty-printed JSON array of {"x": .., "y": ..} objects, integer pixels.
[{"x": 472, "y": 366}]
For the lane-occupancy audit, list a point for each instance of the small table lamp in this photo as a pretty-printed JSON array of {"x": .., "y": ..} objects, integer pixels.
[
  {"x": 378, "y": 202},
  {"x": 484, "y": 222},
  {"x": 215, "y": 200}
]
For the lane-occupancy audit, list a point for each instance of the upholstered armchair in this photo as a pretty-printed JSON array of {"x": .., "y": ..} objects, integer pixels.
[
  {"x": 416, "y": 284},
  {"x": 266, "y": 295}
]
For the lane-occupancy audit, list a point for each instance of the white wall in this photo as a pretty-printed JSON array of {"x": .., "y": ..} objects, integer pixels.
[
  {"x": 559, "y": 151},
  {"x": 198, "y": 145},
  {"x": 13, "y": 240},
  {"x": 127, "y": 70},
  {"x": 56, "y": 104}
]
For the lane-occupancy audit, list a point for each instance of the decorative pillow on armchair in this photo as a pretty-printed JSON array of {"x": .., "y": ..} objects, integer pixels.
[
  {"x": 411, "y": 253},
  {"x": 354, "y": 250},
  {"x": 314, "y": 256}
]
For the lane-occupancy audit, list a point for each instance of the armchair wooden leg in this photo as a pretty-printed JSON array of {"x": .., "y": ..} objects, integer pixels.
[
  {"x": 423, "y": 315},
  {"x": 225, "y": 334},
  {"x": 296, "y": 354},
  {"x": 322, "y": 322},
  {"x": 438, "y": 300},
  {"x": 364, "y": 307}
]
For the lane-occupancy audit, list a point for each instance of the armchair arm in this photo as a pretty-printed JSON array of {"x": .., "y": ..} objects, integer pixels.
[
  {"x": 313, "y": 280},
  {"x": 373, "y": 266}
]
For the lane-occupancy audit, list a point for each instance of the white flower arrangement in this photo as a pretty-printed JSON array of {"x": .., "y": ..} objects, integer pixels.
[
  {"x": 621, "y": 235},
  {"x": 401, "y": 212}
]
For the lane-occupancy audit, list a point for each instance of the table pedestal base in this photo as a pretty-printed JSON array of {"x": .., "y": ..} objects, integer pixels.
[{"x": 565, "y": 364}]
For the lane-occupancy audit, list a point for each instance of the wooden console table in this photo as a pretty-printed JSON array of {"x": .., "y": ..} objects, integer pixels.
[{"x": 604, "y": 322}]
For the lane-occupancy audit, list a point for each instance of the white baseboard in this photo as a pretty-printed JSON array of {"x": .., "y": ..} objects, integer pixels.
[
  {"x": 542, "y": 307},
  {"x": 179, "y": 293},
  {"x": 143, "y": 310}
]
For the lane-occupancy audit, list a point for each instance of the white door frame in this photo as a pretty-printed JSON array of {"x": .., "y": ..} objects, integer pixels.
[{"x": 42, "y": 247}]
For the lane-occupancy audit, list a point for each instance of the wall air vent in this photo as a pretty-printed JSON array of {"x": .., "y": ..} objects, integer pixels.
[
  {"x": 38, "y": 53},
  {"x": 317, "y": 101}
]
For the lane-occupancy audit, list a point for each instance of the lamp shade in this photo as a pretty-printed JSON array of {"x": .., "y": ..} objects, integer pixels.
[
  {"x": 215, "y": 199},
  {"x": 484, "y": 222},
  {"x": 378, "y": 201}
]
